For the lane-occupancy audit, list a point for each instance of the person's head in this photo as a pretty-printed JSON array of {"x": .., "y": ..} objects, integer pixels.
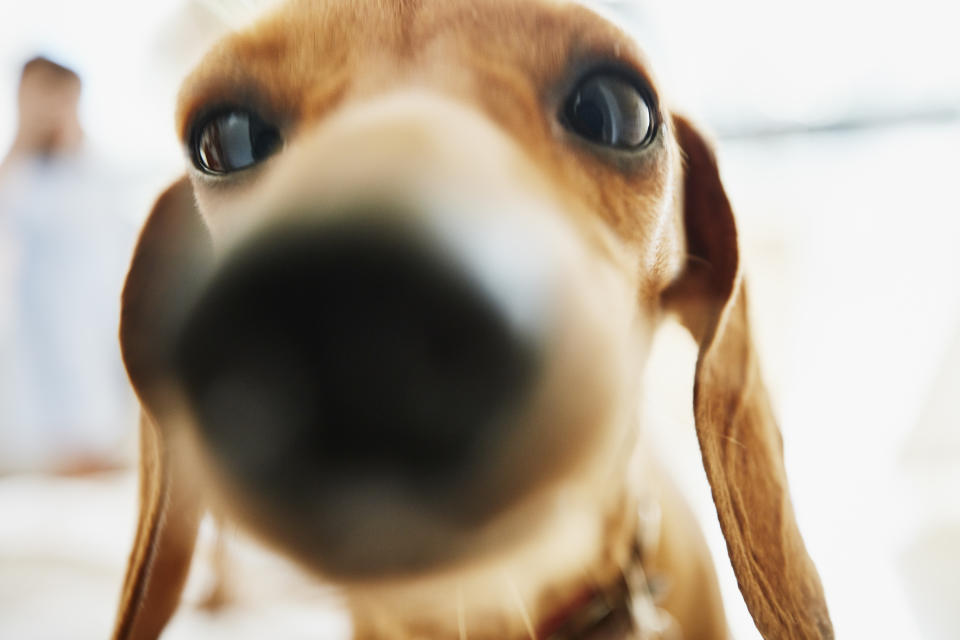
[{"x": 48, "y": 99}]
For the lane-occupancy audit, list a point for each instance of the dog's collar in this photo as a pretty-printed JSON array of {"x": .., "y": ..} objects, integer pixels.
[
  {"x": 627, "y": 609},
  {"x": 595, "y": 614}
]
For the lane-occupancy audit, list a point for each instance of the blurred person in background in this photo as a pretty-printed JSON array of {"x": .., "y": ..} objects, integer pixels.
[{"x": 64, "y": 404}]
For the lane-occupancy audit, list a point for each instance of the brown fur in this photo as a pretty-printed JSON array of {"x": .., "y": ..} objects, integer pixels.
[{"x": 660, "y": 221}]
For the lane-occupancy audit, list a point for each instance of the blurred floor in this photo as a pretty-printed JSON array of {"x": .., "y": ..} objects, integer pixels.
[
  {"x": 62, "y": 559},
  {"x": 850, "y": 247}
]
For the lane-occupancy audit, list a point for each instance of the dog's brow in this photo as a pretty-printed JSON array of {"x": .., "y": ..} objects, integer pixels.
[{"x": 277, "y": 64}]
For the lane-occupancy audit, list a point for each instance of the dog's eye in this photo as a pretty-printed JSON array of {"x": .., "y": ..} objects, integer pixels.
[
  {"x": 609, "y": 110},
  {"x": 233, "y": 140}
]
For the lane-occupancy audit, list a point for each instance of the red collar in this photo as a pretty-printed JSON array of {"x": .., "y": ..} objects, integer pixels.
[{"x": 624, "y": 610}]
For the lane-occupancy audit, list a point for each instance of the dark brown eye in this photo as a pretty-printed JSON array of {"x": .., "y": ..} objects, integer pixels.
[
  {"x": 233, "y": 140},
  {"x": 609, "y": 110}
]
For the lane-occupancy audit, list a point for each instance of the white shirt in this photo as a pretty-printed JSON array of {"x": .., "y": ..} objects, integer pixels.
[{"x": 65, "y": 242}]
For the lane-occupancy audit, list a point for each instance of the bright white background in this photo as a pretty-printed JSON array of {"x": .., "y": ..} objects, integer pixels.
[{"x": 850, "y": 238}]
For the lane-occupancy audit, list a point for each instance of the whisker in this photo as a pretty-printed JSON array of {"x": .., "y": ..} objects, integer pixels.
[
  {"x": 733, "y": 440},
  {"x": 699, "y": 260},
  {"x": 717, "y": 433},
  {"x": 461, "y": 614},
  {"x": 524, "y": 613}
]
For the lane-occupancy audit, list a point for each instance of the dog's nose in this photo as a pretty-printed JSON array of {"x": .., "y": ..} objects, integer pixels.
[{"x": 325, "y": 351}]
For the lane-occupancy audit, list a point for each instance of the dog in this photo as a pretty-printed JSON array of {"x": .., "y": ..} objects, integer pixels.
[{"x": 393, "y": 322}]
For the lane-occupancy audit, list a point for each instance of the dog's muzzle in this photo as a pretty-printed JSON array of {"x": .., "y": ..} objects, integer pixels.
[
  {"x": 342, "y": 366},
  {"x": 404, "y": 353}
]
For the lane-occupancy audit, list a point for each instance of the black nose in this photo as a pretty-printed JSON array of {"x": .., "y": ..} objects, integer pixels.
[{"x": 336, "y": 350}]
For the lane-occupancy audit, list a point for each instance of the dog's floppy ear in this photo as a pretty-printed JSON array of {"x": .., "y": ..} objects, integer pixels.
[
  {"x": 739, "y": 438},
  {"x": 171, "y": 256}
]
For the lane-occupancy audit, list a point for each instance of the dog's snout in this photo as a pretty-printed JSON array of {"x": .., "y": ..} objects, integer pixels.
[
  {"x": 345, "y": 349},
  {"x": 404, "y": 353}
]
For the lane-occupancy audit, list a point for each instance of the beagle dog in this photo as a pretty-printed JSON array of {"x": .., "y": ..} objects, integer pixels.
[{"x": 393, "y": 323}]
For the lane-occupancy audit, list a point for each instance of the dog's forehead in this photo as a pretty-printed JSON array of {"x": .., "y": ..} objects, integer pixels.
[
  {"x": 306, "y": 52},
  {"x": 514, "y": 62}
]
